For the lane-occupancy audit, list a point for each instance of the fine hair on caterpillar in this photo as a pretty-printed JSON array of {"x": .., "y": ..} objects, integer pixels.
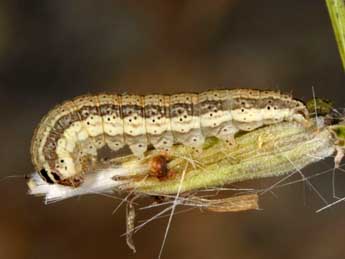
[{"x": 66, "y": 142}]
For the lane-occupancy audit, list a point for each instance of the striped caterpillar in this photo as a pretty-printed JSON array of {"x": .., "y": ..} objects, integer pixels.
[{"x": 72, "y": 133}]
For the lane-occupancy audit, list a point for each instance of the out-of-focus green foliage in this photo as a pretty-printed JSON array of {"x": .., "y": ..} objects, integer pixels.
[{"x": 320, "y": 106}]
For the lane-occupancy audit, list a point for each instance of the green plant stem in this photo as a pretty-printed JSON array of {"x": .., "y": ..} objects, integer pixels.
[{"x": 336, "y": 9}]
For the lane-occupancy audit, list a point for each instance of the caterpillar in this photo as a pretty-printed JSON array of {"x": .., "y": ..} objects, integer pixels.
[{"x": 73, "y": 132}]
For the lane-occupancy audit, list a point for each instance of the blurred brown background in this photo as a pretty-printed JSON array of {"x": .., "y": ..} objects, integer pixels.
[{"x": 53, "y": 50}]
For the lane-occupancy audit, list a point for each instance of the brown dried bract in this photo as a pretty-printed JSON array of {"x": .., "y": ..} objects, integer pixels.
[{"x": 159, "y": 167}]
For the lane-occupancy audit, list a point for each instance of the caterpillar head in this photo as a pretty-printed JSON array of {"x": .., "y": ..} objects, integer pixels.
[
  {"x": 54, "y": 177},
  {"x": 49, "y": 176}
]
